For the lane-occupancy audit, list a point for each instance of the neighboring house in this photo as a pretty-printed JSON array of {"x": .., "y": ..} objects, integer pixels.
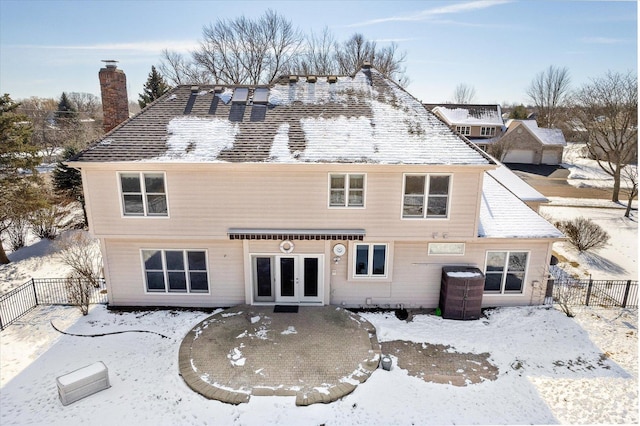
[
  {"x": 313, "y": 190},
  {"x": 527, "y": 143},
  {"x": 479, "y": 123}
]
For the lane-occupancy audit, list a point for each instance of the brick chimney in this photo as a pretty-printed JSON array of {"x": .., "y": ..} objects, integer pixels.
[{"x": 113, "y": 88}]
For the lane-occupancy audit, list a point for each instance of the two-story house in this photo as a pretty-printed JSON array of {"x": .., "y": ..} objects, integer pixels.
[
  {"x": 481, "y": 124},
  {"x": 337, "y": 190}
]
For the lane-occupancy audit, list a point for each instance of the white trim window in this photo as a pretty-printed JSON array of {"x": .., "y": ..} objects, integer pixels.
[
  {"x": 143, "y": 194},
  {"x": 370, "y": 260},
  {"x": 464, "y": 130},
  {"x": 487, "y": 131},
  {"x": 346, "y": 190},
  {"x": 175, "y": 271},
  {"x": 505, "y": 272},
  {"x": 426, "y": 196}
]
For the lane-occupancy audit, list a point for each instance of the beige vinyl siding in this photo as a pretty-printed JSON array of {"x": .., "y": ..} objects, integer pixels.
[
  {"x": 417, "y": 276},
  {"x": 204, "y": 202},
  {"x": 127, "y": 283}
]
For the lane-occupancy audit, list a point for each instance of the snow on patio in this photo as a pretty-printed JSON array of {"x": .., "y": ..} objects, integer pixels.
[{"x": 552, "y": 369}]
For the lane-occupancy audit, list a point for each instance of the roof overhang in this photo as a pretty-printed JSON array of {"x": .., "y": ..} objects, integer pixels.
[{"x": 295, "y": 234}]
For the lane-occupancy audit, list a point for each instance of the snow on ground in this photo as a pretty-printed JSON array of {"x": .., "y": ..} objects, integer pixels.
[
  {"x": 38, "y": 260},
  {"x": 552, "y": 369},
  {"x": 618, "y": 260},
  {"x": 584, "y": 172}
]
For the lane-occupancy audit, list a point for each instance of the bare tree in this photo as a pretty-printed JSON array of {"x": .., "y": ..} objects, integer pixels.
[
  {"x": 500, "y": 148},
  {"x": 88, "y": 105},
  {"x": 243, "y": 51},
  {"x": 464, "y": 94},
  {"x": 177, "y": 70},
  {"x": 317, "y": 54},
  {"x": 630, "y": 175},
  {"x": 607, "y": 108},
  {"x": 549, "y": 91},
  {"x": 81, "y": 253}
]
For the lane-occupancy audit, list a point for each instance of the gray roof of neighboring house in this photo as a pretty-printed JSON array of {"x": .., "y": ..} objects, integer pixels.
[
  {"x": 365, "y": 118},
  {"x": 543, "y": 135},
  {"x": 503, "y": 215},
  {"x": 469, "y": 114}
]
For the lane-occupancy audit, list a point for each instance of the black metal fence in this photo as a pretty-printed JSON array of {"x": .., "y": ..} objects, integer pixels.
[
  {"x": 42, "y": 291},
  {"x": 588, "y": 292}
]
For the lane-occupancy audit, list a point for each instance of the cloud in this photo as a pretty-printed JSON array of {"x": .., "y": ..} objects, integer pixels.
[
  {"x": 428, "y": 14},
  {"x": 602, "y": 40},
  {"x": 143, "y": 46}
]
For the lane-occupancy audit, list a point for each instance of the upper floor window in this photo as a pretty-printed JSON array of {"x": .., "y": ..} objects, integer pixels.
[
  {"x": 179, "y": 271},
  {"x": 346, "y": 190},
  {"x": 464, "y": 130},
  {"x": 370, "y": 260},
  {"x": 505, "y": 271},
  {"x": 426, "y": 196},
  {"x": 143, "y": 194},
  {"x": 487, "y": 131}
]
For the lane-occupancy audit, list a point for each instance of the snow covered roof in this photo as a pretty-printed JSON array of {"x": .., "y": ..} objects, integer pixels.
[
  {"x": 503, "y": 215},
  {"x": 517, "y": 186},
  {"x": 365, "y": 118},
  {"x": 470, "y": 115},
  {"x": 544, "y": 135}
]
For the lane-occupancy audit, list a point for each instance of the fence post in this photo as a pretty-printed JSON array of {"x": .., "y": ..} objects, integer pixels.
[
  {"x": 626, "y": 294},
  {"x": 35, "y": 293},
  {"x": 586, "y": 302}
]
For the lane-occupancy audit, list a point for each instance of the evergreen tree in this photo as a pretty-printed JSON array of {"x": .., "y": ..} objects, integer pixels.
[
  {"x": 153, "y": 88},
  {"x": 19, "y": 190},
  {"x": 67, "y": 181},
  {"x": 66, "y": 111},
  {"x": 519, "y": 113}
]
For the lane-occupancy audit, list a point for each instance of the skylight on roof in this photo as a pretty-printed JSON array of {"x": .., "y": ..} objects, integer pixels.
[
  {"x": 261, "y": 95},
  {"x": 240, "y": 94}
]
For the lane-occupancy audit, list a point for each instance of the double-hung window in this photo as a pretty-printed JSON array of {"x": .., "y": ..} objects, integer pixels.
[
  {"x": 464, "y": 130},
  {"x": 426, "y": 196},
  {"x": 175, "y": 271},
  {"x": 346, "y": 190},
  {"x": 505, "y": 272},
  {"x": 487, "y": 131},
  {"x": 370, "y": 260},
  {"x": 143, "y": 194}
]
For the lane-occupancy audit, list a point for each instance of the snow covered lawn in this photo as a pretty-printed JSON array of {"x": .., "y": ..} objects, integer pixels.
[{"x": 552, "y": 369}]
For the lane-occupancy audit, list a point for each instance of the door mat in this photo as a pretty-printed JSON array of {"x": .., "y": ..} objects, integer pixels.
[{"x": 285, "y": 308}]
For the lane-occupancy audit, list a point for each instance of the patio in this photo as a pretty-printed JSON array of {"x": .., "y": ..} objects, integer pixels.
[{"x": 318, "y": 354}]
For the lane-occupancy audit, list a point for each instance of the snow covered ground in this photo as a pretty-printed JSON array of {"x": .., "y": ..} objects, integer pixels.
[
  {"x": 584, "y": 172},
  {"x": 552, "y": 369}
]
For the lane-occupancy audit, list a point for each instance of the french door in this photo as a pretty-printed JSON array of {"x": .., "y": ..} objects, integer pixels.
[{"x": 288, "y": 278}]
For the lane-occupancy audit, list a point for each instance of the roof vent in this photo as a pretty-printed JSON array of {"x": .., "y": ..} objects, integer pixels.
[
  {"x": 332, "y": 78},
  {"x": 366, "y": 65},
  {"x": 218, "y": 89},
  {"x": 195, "y": 89},
  {"x": 312, "y": 79},
  {"x": 293, "y": 79}
]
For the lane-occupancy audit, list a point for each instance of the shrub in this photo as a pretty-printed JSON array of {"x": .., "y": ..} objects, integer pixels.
[
  {"x": 48, "y": 222},
  {"x": 583, "y": 233},
  {"x": 17, "y": 233},
  {"x": 78, "y": 291},
  {"x": 82, "y": 253}
]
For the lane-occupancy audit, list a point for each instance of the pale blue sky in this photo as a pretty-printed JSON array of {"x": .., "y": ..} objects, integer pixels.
[{"x": 495, "y": 46}]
